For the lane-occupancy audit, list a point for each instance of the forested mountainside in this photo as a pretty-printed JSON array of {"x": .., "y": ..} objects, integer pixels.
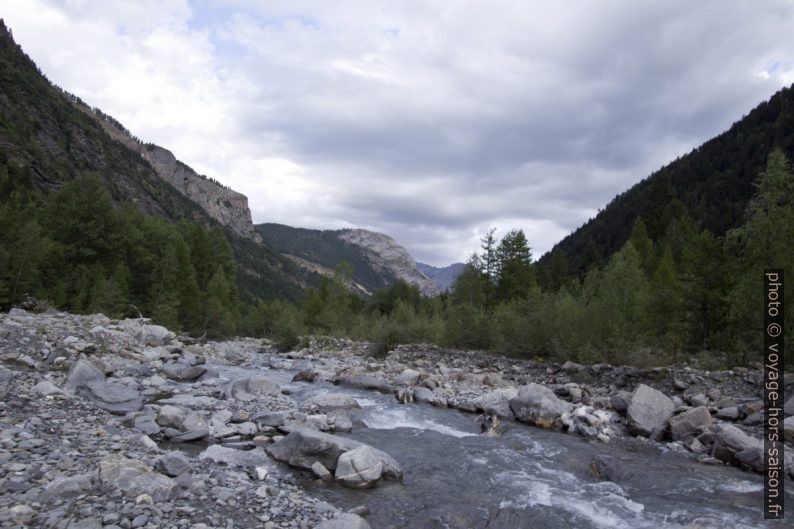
[
  {"x": 376, "y": 260},
  {"x": 49, "y": 138},
  {"x": 713, "y": 184}
]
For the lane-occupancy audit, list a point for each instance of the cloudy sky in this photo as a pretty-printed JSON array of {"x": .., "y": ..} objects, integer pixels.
[{"x": 429, "y": 120}]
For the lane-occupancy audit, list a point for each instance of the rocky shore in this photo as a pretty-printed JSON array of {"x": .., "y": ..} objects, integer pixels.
[{"x": 122, "y": 424}]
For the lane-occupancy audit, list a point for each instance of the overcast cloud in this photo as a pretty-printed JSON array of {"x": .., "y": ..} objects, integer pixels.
[{"x": 428, "y": 120}]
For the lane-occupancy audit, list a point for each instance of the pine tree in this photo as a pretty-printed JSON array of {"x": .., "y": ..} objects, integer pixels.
[
  {"x": 643, "y": 244},
  {"x": 515, "y": 273}
]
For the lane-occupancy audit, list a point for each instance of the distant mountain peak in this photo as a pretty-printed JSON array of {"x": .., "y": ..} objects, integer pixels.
[{"x": 443, "y": 276}]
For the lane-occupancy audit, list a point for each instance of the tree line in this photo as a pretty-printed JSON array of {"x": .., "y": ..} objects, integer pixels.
[{"x": 683, "y": 292}]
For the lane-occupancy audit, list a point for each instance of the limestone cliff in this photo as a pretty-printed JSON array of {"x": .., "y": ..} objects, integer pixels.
[
  {"x": 386, "y": 254},
  {"x": 225, "y": 205}
]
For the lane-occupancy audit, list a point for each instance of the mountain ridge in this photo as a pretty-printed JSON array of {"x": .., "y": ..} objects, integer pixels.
[
  {"x": 377, "y": 259},
  {"x": 443, "y": 276},
  {"x": 713, "y": 183}
]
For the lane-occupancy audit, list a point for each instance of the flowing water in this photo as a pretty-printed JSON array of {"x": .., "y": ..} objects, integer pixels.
[{"x": 528, "y": 478}]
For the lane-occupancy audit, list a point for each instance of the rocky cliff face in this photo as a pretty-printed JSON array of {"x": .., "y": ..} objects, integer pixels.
[
  {"x": 387, "y": 255},
  {"x": 225, "y": 205}
]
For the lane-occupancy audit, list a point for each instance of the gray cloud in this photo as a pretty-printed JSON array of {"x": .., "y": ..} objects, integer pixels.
[{"x": 429, "y": 120}]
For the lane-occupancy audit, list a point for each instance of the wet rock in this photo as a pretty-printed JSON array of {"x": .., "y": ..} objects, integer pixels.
[
  {"x": 81, "y": 373},
  {"x": 538, "y": 405},
  {"x": 751, "y": 458},
  {"x": 304, "y": 446},
  {"x": 497, "y": 402},
  {"x": 330, "y": 401},
  {"x": 345, "y": 521},
  {"x": 405, "y": 396},
  {"x": 173, "y": 464},
  {"x": 649, "y": 411},
  {"x": 110, "y": 396},
  {"x": 607, "y": 468},
  {"x": 133, "y": 478},
  {"x": 730, "y": 440},
  {"x": 427, "y": 396},
  {"x": 689, "y": 422},
  {"x": 307, "y": 375}
]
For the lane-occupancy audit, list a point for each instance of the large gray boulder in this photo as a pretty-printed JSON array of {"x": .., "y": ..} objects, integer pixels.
[
  {"x": 111, "y": 396},
  {"x": 305, "y": 446},
  {"x": 689, "y": 422},
  {"x": 81, "y": 373},
  {"x": 538, "y": 405},
  {"x": 649, "y": 410},
  {"x": 427, "y": 396},
  {"x": 497, "y": 402},
  {"x": 155, "y": 335},
  {"x": 359, "y": 468},
  {"x": 330, "y": 401},
  {"x": 182, "y": 372},
  {"x": 345, "y": 521},
  {"x": 133, "y": 478},
  {"x": 729, "y": 440},
  {"x": 249, "y": 389}
]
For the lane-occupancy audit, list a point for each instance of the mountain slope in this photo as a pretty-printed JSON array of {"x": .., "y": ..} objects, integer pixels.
[
  {"x": 377, "y": 260},
  {"x": 444, "y": 277},
  {"x": 713, "y": 182},
  {"x": 54, "y": 137}
]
